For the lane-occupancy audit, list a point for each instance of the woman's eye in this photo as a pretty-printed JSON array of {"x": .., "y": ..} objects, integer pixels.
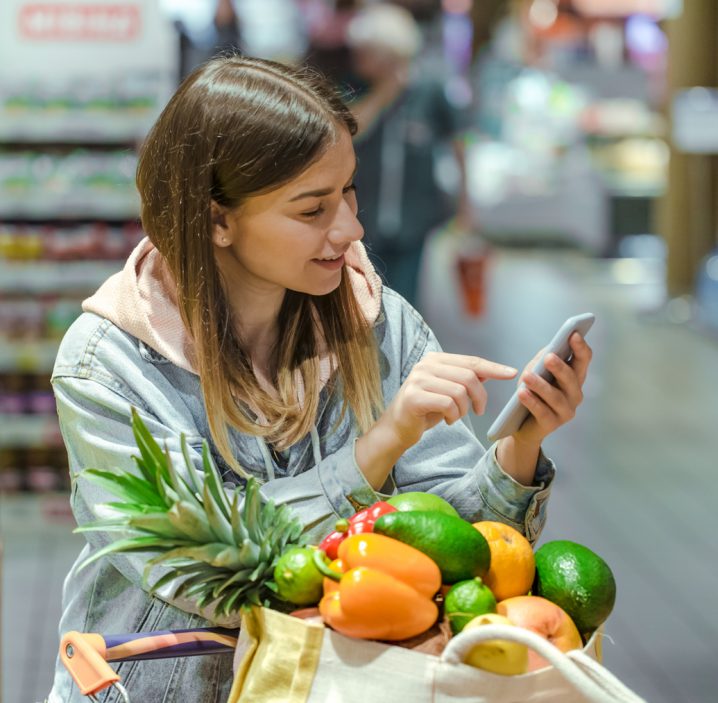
[
  {"x": 320, "y": 210},
  {"x": 314, "y": 213}
]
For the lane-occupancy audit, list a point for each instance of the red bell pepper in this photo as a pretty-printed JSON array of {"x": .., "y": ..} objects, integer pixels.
[{"x": 360, "y": 523}]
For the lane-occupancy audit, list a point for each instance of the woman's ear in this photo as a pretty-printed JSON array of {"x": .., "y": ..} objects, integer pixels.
[{"x": 220, "y": 231}]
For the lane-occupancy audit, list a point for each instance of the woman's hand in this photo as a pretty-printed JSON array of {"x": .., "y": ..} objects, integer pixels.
[
  {"x": 553, "y": 405},
  {"x": 440, "y": 387},
  {"x": 550, "y": 406}
]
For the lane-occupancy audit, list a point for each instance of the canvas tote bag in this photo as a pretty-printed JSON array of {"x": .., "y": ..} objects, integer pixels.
[{"x": 282, "y": 659}]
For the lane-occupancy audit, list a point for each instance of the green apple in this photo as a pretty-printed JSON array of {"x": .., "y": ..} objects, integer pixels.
[{"x": 497, "y": 656}]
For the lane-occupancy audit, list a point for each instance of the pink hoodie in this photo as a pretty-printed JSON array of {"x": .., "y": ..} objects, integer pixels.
[{"x": 140, "y": 300}]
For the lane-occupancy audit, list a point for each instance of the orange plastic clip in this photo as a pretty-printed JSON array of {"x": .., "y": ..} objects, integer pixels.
[{"x": 84, "y": 657}]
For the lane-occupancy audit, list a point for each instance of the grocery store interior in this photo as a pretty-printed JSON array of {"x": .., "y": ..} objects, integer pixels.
[{"x": 581, "y": 176}]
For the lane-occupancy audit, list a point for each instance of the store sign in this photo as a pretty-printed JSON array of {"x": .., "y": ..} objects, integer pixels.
[
  {"x": 79, "y": 22},
  {"x": 53, "y": 40}
]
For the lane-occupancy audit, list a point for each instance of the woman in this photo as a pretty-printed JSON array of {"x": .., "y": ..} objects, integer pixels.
[{"x": 251, "y": 316}]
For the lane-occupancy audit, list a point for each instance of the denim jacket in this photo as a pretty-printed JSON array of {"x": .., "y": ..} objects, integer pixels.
[{"x": 101, "y": 371}]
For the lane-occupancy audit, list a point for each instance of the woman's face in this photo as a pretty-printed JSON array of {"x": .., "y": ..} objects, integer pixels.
[{"x": 294, "y": 237}]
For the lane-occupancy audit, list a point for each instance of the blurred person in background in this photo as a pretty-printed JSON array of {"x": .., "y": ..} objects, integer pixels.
[
  {"x": 221, "y": 36},
  {"x": 403, "y": 117},
  {"x": 328, "y": 52}
]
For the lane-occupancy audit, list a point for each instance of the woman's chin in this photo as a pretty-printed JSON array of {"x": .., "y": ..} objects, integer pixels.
[{"x": 321, "y": 288}]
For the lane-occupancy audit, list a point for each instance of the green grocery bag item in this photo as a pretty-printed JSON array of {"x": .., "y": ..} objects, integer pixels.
[{"x": 283, "y": 659}]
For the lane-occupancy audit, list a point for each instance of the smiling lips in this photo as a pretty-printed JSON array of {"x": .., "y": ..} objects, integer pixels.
[{"x": 332, "y": 264}]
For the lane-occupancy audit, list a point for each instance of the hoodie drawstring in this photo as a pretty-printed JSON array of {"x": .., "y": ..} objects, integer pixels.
[
  {"x": 269, "y": 464},
  {"x": 316, "y": 447}
]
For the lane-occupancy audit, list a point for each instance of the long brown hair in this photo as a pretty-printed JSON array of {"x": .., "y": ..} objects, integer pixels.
[{"x": 238, "y": 127}]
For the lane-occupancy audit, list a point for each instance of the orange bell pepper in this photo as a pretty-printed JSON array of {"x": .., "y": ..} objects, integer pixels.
[
  {"x": 385, "y": 592},
  {"x": 393, "y": 557}
]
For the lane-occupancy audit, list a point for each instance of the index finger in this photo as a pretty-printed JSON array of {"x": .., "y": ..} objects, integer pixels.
[{"x": 483, "y": 368}]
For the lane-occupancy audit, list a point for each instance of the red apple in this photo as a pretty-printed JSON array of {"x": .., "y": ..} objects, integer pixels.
[{"x": 544, "y": 618}]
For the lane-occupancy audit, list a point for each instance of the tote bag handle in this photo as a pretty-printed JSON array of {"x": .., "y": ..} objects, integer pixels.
[{"x": 587, "y": 676}]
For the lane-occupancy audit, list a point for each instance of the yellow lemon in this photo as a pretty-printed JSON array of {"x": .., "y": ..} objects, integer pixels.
[{"x": 497, "y": 656}]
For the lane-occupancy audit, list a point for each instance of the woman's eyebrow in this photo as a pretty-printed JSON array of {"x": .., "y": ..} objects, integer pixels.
[
  {"x": 312, "y": 194},
  {"x": 321, "y": 191}
]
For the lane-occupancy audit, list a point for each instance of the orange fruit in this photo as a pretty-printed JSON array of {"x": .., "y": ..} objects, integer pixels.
[{"x": 512, "y": 567}]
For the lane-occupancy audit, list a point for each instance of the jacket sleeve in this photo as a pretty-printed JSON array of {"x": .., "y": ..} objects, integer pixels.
[{"x": 450, "y": 461}]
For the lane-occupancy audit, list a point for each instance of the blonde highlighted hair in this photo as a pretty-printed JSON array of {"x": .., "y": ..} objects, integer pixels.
[{"x": 238, "y": 127}]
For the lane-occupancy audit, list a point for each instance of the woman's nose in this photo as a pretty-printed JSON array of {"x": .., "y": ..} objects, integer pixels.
[{"x": 346, "y": 227}]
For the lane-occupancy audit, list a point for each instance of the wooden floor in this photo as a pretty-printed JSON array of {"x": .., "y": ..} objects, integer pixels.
[{"x": 636, "y": 478}]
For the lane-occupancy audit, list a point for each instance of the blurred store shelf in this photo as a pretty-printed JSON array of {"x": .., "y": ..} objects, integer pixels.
[
  {"x": 26, "y": 431},
  {"x": 38, "y": 204},
  {"x": 37, "y": 356},
  {"x": 43, "y": 277},
  {"x": 82, "y": 127}
]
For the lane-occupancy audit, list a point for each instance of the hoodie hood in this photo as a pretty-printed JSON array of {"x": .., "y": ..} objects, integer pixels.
[{"x": 141, "y": 301}]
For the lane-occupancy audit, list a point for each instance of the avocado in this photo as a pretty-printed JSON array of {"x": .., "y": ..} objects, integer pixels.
[
  {"x": 459, "y": 549},
  {"x": 577, "y": 579}
]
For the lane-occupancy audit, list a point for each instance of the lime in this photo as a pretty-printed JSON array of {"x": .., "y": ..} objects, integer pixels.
[
  {"x": 415, "y": 500},
  {"x": 577, "y": 580},
  {"x": 459, "y": 550},
  {"x": 465, "y": 600},
  {"x": 298, "y": 579}
]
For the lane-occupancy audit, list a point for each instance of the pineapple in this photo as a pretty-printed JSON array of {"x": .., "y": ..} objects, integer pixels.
[{"x": 220, "y": 549}]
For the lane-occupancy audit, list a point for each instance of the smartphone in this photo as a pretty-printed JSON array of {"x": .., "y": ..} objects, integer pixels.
[{"x": 514, "y": 414}]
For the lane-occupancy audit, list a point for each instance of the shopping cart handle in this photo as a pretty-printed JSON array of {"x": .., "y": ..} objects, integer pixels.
[
  {"x": 85, "y": 655},
  {"x": 169, "y": 643},
  {"x": 81, "y": 655}
]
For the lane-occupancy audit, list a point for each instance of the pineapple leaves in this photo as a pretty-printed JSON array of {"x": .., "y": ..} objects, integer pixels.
[
  {"x": 128, "y": 486},
  {"x": 206, "y": 553},
  {"x": 192, "y": 521},
  {"x": 239, "y": 531},
  {"x": 155, "y": 523},
  {"x": 218, "y": 522},
  {"x": 236, "y": 578},
  {"x": 250, "y": 512},
  {"x": 179, "y": 485},
  {"x": 152, "y": 463},
  {"x": 213, "y": 481},
  {"x": 219, "y": 547},
  {"x": 175, "y": 575},
  {"x": 133, "y": 544},
  {"x": 194, "y": 478}
]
